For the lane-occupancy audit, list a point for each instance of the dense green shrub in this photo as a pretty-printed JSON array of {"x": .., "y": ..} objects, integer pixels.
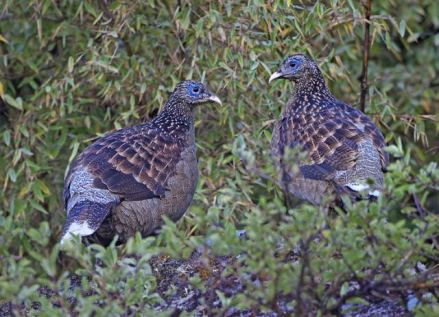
[{"x": 73, "y": 70}]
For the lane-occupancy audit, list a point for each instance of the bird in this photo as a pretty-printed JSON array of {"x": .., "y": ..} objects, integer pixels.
[
  {"x": 125, "y": 181},
  {"x": 344, "y": 151}
]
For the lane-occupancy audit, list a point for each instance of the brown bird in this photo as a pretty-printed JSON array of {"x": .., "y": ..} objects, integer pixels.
[
  {"x": 344, "y": 149},
  {"x": 127, "y": 180}
]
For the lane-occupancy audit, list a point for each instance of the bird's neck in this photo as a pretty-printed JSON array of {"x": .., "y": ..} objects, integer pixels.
[
  {"x": 310, "y": 92},
  {"x": 176, "y": 119}
]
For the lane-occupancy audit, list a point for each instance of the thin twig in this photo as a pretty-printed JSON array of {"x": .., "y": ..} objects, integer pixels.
[
  {"x": 366, "y": 45},
  {"x": 418, "y": 205},
  {"x": 299, "y": 301}
]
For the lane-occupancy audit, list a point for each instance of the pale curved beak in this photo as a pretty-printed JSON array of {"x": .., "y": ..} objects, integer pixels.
[
  {"x": 274, "y": 76},
  {"x": 215, "y": 98}
]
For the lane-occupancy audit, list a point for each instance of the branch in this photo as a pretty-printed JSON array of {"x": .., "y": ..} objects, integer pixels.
[
  {"x": 426, "y": 282},
  {"x": 366, "y": 45}
]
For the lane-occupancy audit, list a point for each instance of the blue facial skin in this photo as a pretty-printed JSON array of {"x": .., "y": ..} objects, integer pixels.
[
  {"x": 292, "y": 65},
  {"x": 195, "y": 90}
]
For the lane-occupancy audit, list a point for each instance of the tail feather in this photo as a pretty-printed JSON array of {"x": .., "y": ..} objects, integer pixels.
[{"x": 84, "y": 218}]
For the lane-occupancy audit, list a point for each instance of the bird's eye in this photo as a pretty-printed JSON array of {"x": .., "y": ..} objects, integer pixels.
[
  {"x": 196, "y": 89},
  {"x": 292, "y": 64}
]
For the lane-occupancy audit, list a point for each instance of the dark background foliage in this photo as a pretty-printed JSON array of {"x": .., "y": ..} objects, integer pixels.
[{"x": 72, "y": 70}]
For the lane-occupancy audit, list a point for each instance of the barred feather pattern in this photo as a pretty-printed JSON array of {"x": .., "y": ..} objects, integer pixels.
[
  {"x": 344, "y": 147},
  {"x": 126, "y": 181}
]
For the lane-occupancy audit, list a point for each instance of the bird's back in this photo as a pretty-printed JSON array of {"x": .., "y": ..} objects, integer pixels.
[{"x": 345, "y": 149}]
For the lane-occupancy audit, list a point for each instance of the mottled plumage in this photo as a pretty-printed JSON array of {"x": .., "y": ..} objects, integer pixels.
[
  {"x": 345, "y": 150},
  {"x": 127, "y": 180}
]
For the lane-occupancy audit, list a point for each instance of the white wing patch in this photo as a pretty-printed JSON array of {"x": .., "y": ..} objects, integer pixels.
[
  {"x": 361, "y": 187},
  {"x": 375, "y": 193},
  {"x": 358, "y": 187},
  {"x": 76, "y": 228}
]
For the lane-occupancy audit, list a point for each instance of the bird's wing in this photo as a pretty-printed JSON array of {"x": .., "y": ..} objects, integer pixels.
[
  {"x": 129, "y": 164},
  {"x": 369, "y": 129},
  {"x": 330, "y": 138},
  {"x": 133, "y": 164}
]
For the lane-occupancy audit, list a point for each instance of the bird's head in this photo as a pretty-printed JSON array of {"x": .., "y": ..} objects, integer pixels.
[
  {"x": 297, "y": 67},
  {"x": 194, "y": 93}
]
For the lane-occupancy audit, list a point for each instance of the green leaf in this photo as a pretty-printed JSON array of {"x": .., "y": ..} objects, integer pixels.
[
  {"x": 70, "y": 64},
  {"x": 7, "y": 137},
  {"x": 16, "y": 103},
  {"x": 12, "y": 175},
  {"x": 402, "y": 26}
]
